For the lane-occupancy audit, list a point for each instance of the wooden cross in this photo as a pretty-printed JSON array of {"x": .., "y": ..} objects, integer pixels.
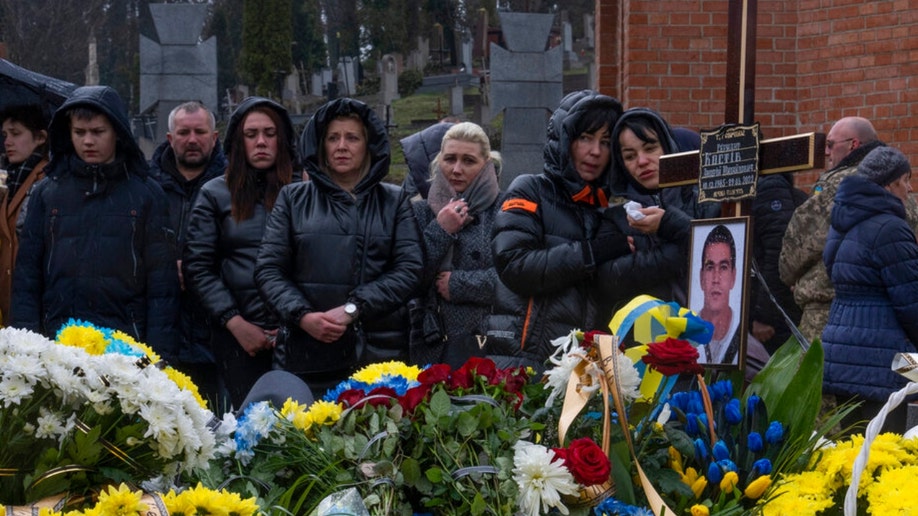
[{"x": 776, "y": 155}]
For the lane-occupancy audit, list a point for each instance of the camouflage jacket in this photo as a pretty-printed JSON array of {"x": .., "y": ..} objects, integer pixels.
[{"x": 800, "y": 264}]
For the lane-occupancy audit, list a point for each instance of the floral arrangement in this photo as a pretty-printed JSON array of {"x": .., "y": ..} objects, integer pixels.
[
  {"x": 93, "y": 409},
  {"x": 606, "y": 430},
  {"x": 431, "y": 439},
  {"x": 885, "y": 487},
  {"x": 124, "y": 501}
]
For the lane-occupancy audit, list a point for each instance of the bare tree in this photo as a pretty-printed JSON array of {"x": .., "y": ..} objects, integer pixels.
[{"x": 51, "y": 36}]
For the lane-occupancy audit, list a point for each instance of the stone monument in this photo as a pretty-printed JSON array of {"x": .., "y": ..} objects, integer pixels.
[
  {"x": 526, "y": 83},
  {"x": 180, "y": 66}
]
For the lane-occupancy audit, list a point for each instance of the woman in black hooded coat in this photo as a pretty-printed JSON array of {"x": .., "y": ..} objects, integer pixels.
[
  {"x": 223, "y": 237},
  {"x": 341, "y": 254}
]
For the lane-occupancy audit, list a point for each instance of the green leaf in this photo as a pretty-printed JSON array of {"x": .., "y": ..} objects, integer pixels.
[
  {"x": 479, "y": 506},
  {"x": 411, "y": 470},
  {"x": 435, "y": 475},
  {"x": 440, "y": 404},
  {"x": 468, "y": 424},
  {"x": 791, "y": 387}
]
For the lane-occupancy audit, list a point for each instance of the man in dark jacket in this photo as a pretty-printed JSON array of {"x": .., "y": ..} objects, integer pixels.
[
  {"x": 95, "y": 245},
  {"x": 190, "y": 156}
]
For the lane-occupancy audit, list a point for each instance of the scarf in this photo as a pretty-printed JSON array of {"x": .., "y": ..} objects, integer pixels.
[
  {"x": 18, "y": 174},
  {"x": 480, "y": 195}
]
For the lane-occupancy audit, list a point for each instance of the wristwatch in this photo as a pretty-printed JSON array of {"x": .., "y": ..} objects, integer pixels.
[{"x": 350, "y": 308}]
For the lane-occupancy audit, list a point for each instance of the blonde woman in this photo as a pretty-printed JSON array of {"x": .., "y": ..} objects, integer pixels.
[{"x": 455, "y": 221}]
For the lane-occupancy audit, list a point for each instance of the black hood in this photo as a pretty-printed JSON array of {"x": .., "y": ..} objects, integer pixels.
[
  {"x": 239, "y": 114},
  {"x": 107, "y": 101},
  {"x": 560, "y": 136},
  {"x": 621, "y": 178},
  {"x": 420, "y": 150},
  {"x": 377, "y": 143}
]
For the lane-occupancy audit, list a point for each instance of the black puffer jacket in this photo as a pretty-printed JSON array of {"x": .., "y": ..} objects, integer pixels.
[
  {"x": 220, "y": 252},
  {"x": 548, "y": 281},
  {"x": 774, "y": 204},
  {"x": 323, "y": 247},
  {"x": 658, "y": 267},
  {"x": 96, "y": 244},
  {"x": 181, "y": 195}
]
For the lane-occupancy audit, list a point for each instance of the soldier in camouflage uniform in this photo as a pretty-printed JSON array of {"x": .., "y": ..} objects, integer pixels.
[{"x": 800, "y": 265}]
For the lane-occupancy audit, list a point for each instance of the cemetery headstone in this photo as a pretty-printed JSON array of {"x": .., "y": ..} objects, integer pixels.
[
  {"x": 179, "y": 66},
  {"x": 526, "y": 84}
]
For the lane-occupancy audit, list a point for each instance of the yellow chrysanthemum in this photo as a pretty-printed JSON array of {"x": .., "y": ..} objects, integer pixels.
[
  {"x": 757, "y": 487},
  {"x": 184, "y": 382},
  {"x": 90, "y": 338},
  {"x": 120, "y": 501},
  {"x": 291, "y": 408},
  {"x": 45, "y": 511},
  {"x": 324, "y": 412},
  {"x": 374, "y": 373},
  {"x": 802, "y": 493},
  {"x": 731, "y": 478},
  {"x": 147, "y": 350},
  {"x": 200, "y": 500},
  {"x": 700, "y": 510},
  {"x": 893, "y": 491}
]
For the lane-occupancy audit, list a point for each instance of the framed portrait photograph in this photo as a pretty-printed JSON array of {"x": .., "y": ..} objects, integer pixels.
[{"x": 718, "y": 268}]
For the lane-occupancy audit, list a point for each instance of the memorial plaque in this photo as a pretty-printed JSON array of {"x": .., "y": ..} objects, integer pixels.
[{"x": 728, "y": 163}]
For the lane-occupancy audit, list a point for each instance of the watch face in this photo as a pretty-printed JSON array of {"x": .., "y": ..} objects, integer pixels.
[{"x": 350, "y": 308}]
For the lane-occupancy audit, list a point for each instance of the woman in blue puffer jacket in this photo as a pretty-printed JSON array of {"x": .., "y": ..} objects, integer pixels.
[{"x": 872, "y": 257}]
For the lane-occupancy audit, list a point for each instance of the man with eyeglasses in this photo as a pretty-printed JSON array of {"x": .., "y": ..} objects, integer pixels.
[{"x": 800, "y": 264}]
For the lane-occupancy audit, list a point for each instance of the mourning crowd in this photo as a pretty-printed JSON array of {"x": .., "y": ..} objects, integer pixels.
[{"x": 270, "y": 250}]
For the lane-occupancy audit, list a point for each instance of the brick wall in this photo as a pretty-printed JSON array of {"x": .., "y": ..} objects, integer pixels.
[{"x": 816, "y": 61}]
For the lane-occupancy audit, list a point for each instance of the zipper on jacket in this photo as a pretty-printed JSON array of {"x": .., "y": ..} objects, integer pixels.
[
  {"x": 133, "y": 243},
  {"x": 526, "y": 323},
  {"x": 51, "y": 244},
  {"x": 134, "y": 325}
]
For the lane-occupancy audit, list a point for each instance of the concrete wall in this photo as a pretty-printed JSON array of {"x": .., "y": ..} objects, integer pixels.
[{"x": 817, "y": 61}]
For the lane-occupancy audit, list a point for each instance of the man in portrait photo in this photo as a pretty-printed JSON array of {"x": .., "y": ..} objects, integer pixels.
[{"x": 717, "y": 278}]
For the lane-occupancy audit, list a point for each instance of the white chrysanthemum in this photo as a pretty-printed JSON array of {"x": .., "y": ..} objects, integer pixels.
[
  {"x": 14, "y": 389},
  {"x": 541, "y": 479},
  {"x": 564, "y": 345},
  {"x": 27, "y": 366},
  {"x": 557, "y": 377},
  {"x": 629, "y": 379},
  {"x": 49, "y": 424}
]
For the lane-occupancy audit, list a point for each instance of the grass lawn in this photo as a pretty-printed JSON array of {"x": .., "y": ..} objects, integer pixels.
[{"x": 413, "y": 113}]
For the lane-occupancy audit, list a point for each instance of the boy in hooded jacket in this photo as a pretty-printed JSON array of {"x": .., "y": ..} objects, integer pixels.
[{"x": 95, "y": 244}]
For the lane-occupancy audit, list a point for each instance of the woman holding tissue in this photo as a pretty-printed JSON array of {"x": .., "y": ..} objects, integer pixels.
[
  {"x": 658, "y": 267},
  {"x": 551, "y": 241}
]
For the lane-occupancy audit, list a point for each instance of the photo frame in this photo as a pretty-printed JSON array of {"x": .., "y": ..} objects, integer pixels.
[{"x": 718, "y": 287}]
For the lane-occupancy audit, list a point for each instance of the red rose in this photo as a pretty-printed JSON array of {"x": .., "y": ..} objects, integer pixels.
[
  {"x": 381, "y": 396},
  {"x": 514, "y": 378},
  {"x": 587, "y": 462},
  {"x": 351, "y": 397},
  {"x": 672, "y": 357},
  {"x": 480, "y": 367},
  {"x": 413, "y": 397},
  {"x": 437, "y": 373},
  {"x": 589, "y": 338}
]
